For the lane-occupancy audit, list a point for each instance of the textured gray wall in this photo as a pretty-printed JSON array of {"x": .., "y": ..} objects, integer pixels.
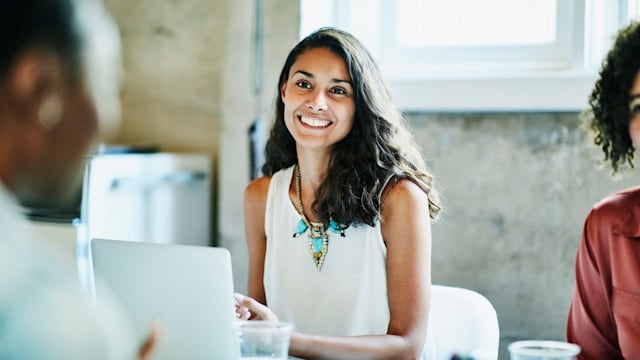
[
  {"x": 516, "y": 186},
  {"x": 173, "y": 65}
]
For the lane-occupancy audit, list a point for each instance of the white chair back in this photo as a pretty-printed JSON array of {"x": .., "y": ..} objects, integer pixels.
[{"x": 463, "y": 322}]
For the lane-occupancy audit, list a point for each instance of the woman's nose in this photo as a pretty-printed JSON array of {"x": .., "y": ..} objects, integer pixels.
[{"x": 317, "y": 101}]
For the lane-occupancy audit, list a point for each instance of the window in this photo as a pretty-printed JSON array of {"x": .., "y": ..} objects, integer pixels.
[
  {"x": 486, "y": 23},
  {"x": 490, "y": 55}
]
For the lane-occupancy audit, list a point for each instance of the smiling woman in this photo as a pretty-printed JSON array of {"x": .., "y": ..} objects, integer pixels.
[
  {"x": 338, "y": 230},
  {"x": 319, "y": 105}
]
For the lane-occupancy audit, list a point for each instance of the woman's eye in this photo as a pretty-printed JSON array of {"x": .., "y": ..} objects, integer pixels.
[
  {"x": 338, "y": 91},
  {"x": 303, "y": 84},
  {"x": 634, "y": 106}
]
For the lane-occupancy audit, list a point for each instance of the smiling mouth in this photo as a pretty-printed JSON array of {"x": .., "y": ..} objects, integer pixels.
[{"x": 314, "y": 122}]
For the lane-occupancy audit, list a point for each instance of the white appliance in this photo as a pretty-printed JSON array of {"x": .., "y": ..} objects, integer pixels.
[{"x": 150, "y": 197}]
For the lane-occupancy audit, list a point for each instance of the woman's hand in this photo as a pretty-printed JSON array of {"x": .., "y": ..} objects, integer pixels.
[
  {"x": 249, "y": 309},
  {"x": 242, "y": 312}
]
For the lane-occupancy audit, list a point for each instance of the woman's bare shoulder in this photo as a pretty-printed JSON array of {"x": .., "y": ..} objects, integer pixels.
[
  {"x": 257, "y": 189},
  {"x": 402, "y": 192}
]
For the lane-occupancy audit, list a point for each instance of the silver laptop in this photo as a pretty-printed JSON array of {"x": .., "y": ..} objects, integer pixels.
[{"x": 189, "y": 289}]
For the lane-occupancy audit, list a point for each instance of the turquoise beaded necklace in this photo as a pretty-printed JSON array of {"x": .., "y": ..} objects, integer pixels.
[{"x": 318, "y": 237}]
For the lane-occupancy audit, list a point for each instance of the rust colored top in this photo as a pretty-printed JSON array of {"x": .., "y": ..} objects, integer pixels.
[{"x": 604, "y": 317}]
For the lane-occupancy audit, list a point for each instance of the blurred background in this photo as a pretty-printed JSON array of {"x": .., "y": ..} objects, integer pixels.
[{"x": 492, "y": 91}]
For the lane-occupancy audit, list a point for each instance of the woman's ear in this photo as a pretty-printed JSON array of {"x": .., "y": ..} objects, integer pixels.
[{"x": 283, "y": 90}]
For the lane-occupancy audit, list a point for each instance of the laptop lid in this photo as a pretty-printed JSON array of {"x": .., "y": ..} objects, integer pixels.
[{"x": 189, "y": 289}]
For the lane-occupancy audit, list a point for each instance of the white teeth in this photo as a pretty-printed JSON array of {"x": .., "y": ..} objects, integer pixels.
[{"x": 314, "y": 121}]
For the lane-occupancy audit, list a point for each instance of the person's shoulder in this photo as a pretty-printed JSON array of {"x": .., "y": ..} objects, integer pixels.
[
  {"x": 258, "y": 187},
  {"x": 619, "y": 212},
  {"x": 619, "y": 202},
  {"x": 402, "y": 191}
]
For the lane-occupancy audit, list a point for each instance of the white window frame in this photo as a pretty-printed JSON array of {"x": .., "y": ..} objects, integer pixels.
[{"x": 562, "y": 85}]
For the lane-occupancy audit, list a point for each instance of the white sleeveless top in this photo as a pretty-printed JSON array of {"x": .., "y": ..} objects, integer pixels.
[{"x": 348, "y": 297}]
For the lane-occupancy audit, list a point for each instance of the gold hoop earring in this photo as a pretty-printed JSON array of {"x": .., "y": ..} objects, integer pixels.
[{"x": 50, "y": 112}]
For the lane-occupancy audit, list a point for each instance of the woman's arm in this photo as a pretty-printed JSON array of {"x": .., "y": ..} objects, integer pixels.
[
  {"x": 255, "y": 200},
  {"x": 591, "y": 323},
  {"x": 406, "y": 229}
]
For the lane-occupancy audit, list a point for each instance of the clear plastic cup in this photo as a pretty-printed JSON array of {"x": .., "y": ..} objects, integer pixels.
[
  {"x": 264, "y": 339},
  {"x": 543, "y": 350}
]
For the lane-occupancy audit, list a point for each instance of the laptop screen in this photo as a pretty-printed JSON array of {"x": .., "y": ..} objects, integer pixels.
[{"x": 188, "y": 289}]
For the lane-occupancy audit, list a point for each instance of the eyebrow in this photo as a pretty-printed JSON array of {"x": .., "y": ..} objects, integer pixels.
[{"x": 308, "y": 74}]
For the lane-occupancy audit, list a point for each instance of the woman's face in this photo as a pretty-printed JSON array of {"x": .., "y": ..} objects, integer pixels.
[
  {"x": 318, "y": 99},
  {"x": 634, "y": 108}
]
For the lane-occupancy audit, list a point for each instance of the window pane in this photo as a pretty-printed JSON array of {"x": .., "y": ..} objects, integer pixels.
[
  {"x": 634, "y": 10},
  {"x": 442, "y": 23}
]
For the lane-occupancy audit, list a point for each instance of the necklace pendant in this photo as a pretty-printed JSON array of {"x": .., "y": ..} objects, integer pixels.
[
  {"x": 318, "y": 238},
  {"x": 317, "y": 232},
  {"x": 336, "y": 228},
  {"x": 318, "y": 246},
  {"x": 301, "y": 227}
]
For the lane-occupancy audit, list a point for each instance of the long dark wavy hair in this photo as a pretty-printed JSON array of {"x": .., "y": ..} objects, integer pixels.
[
  {"x": 377, "y": 147},
  {"x": 608, "y": 114}
]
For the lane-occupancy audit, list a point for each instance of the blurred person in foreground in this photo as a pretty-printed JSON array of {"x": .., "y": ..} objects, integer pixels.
[
  {"x": 59, "y": 89},
  {"x": 604, "y": 318}
]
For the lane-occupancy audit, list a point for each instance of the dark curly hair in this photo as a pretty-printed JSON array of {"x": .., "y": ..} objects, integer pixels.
[
  {"x": 608, "y": 115},
  {"x": 377, "y": 147}
]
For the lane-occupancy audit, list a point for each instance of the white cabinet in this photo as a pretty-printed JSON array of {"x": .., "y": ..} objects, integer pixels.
[{"x": 156, "y": 197}]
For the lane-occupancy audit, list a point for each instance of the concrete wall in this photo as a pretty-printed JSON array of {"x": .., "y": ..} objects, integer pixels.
[
  {"x": 173, "y": 69},
  {"x": 516, "y": 186}
]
